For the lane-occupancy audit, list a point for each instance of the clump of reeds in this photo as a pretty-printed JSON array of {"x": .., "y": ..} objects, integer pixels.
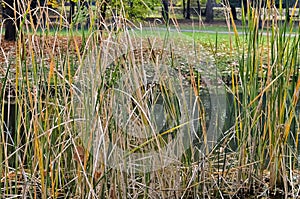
[{"x": 266, "y": 101}]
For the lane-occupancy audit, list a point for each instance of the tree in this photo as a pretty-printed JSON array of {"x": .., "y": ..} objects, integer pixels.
[
  {"x": 209, "y": 13},
  {"x": 129, "y": 9},
  {"x": 188, "y": 9},
  {"x": 12, "y": 19},
  {"x": 81, "y": 4},
  {"x": 72, "y": 10},
  {"x": 234, "y": 4},
  {"x": 183, "y": 8},
  {"x": 233, "y": 12},
  {"x": 103, "y": 8},
  {"x": 198, "y": 7},
  {"x": 12, "y": 14},
  {"x": 165, "y": 11}
]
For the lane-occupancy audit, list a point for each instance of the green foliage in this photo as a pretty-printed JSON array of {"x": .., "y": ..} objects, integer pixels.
[{"x": 133, "y": 9}]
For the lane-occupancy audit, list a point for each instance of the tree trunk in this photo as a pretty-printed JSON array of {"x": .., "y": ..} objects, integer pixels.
[
  {"x": 233, "y": 12},
  {"x": 165, "y": 11},
  {"x": 72, "y": 11},
  {"x": 188, "y": 9},
  {"x": 12, "y": 20},
  {"x": 199, "y": 7},
  {"x": 184, "y": 8},
  {"x": 209, "y": 13},
  {"x": 33, "y": 5}
]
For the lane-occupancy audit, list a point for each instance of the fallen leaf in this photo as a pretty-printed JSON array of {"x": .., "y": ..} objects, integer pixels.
[
  {"x": 79, "y": 153},
  {"x": 97, "y": 175}
]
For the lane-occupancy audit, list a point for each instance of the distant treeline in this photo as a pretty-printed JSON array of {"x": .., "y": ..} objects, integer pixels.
[{"x": 285, "y": 3}]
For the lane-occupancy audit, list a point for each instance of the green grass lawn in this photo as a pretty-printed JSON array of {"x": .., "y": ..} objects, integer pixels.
[{"x": 207, "y": 38}]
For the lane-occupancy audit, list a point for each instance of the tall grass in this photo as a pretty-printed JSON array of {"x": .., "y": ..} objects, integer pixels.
[
  {"x": 120, "y": 113},
  {"x": 266, "y": 97}
]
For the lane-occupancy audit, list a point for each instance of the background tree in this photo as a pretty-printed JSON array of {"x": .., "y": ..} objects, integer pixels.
[
  {"x": 103, "y": 8},
  {"x": 199, "y": 7},
  {"x": 233, "y": 12},
  {"x": 12, "y": 19},
  {"x": 165, "y": 11},
  {"x": 133, "y": 9},
  {"x": 183, "y": 8},
  {"x": 82, "y": 5},
  {"x": 186, "y": 6},
  {"x": 115, "y": 10},
  {"x": 188, "y": 9},
  {"x": 12, "y": 14},
  {"x": 209, "y": 13},
  {"x": 72, "y": 10},
  {"x": 233, "y": 5}
]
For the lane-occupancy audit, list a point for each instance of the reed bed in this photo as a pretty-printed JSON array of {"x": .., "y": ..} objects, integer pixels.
[{"x": 126, "y": 113}]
